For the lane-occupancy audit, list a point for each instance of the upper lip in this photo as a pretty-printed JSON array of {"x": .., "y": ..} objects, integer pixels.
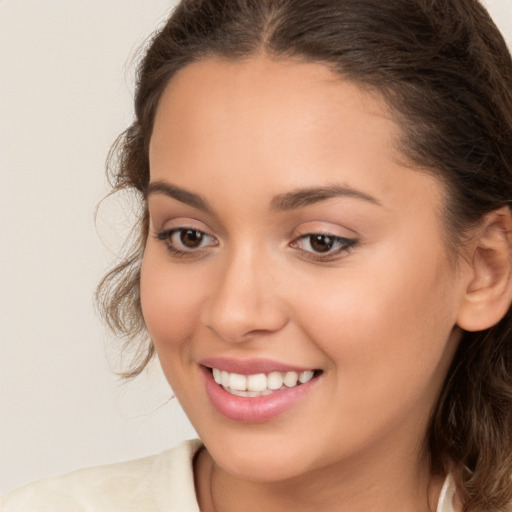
[{"x": 250, "y": 366}]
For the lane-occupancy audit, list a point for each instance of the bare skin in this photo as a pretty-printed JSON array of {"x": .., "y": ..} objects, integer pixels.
[
  {"x": 217, "y": 494},
  {"x": 376, "y": 315}
]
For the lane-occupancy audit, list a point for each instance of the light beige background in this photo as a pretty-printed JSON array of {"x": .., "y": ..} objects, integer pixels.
[{"x": 65, "y": 93}]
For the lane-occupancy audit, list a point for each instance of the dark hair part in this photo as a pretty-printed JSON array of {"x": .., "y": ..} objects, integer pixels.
[{"x": 446, "y": 73}]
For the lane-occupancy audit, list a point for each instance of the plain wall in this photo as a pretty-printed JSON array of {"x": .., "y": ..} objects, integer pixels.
[{"x": 65, "y": 94}]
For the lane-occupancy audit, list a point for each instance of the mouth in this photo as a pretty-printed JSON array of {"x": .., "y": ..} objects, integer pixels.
[
  {"x": 257, "y": 391},
  {"x": 260, "y": 384}
]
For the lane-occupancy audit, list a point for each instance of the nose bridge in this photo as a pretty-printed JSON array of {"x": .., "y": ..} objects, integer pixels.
[{"x": 245, "y": 297}]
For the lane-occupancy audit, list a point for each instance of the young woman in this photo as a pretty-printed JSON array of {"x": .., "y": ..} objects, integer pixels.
[{"x": 324, "y": 264}]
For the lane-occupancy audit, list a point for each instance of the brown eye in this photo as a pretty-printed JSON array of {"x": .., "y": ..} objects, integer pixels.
[
  {"x": 321, "y": 243},
  {"x": 323, "y": 246},
  {"x": 186, "y": 241},
  {"x": 191, "y": 238}
]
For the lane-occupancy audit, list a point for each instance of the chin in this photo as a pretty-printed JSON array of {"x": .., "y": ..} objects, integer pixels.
[
  {"x": 258, "y": 458},
  {"x": 259, "y": 469}
]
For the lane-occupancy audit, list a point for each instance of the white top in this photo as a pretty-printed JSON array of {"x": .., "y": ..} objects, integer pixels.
[
  {"x": 160, "y": 483},
  {"x": 446, "y": 498}
]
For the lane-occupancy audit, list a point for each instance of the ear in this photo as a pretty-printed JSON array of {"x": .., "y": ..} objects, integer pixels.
[{"x": 488, "y": 293}]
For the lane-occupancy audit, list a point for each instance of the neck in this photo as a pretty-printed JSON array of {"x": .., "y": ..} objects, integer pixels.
[{"x": 398, "y": 485}]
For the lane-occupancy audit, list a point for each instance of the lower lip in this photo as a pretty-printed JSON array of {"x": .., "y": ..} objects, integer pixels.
[{"x": 253, "y": 409}]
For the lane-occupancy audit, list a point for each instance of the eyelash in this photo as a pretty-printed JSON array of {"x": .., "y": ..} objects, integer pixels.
[
  {"x": 167, "y": 235},
  {"x": 345, "y": 245}
]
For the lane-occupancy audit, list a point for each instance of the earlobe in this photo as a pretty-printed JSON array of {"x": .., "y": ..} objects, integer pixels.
[{"x": 488, "y": 293}]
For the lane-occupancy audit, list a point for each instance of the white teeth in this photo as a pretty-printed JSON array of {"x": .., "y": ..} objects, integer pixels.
[
  {"x": 306, "y": 376},
  {"x": 217, "y": 375},
  {"x": 290, "y": 379},
  {"x": 274, "y": 380},
  {"x": 237, "y": 392},
  {"x": 251, "y": 394},
  {"x": 237, "y": 381},
  {"x": 259, "y": 384}
]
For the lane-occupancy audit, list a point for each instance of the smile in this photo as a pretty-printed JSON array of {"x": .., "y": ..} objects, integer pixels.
[
  {"x": 256, "y": 391},
  {"x": 260, "y": 384}
]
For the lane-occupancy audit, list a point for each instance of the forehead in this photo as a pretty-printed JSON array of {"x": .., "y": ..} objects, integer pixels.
[
  {"x": 279, "y": 105},
  {"x": 275, "y": 124}
]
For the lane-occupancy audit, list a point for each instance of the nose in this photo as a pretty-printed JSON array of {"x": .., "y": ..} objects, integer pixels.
[{"x": 245, "y": 301}]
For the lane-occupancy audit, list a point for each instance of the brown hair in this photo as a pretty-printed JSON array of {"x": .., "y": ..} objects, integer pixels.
[{"x": 446, "y": 73}]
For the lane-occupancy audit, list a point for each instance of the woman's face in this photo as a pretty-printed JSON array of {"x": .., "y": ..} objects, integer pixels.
[{"x": 287, "y": 235}]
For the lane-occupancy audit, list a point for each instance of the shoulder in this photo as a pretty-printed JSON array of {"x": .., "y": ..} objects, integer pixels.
[{"x": 151, "y": 484}]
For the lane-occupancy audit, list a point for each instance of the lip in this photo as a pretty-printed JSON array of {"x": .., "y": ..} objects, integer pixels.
[
  {"x": 254, "y": 409},
  {"x": 250, "y": 366}
]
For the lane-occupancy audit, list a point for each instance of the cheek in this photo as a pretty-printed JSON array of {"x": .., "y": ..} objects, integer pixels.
[
  {"x": 169, "y": 303},
  {"x": 387, "y": 351},
  {"x": 384, "y": 325}
]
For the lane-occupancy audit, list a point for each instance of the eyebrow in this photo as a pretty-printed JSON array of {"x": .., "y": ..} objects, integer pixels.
[
  {"x": 283, "y": 202},
  {"x": 180, "y": 194},
  {"x": 308, "y": 196}
]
